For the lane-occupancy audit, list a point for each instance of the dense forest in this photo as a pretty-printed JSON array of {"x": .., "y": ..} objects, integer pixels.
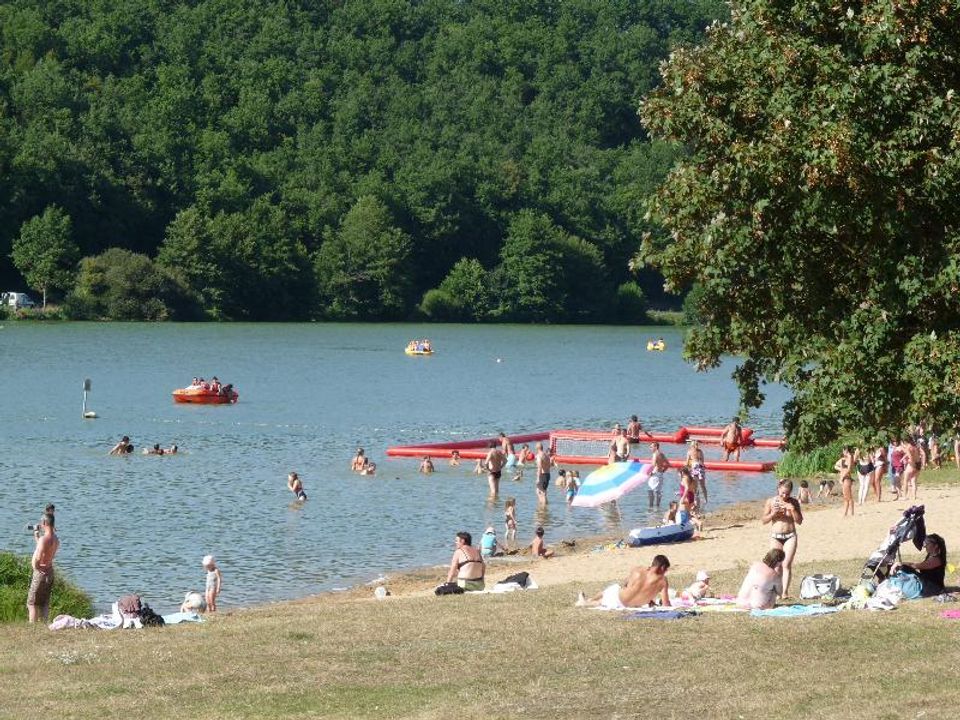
[{"x": 356, "y": 159}]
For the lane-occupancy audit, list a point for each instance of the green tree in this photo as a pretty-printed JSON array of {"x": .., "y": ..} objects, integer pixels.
[
  {"x": 360, "y": 267},
  {"x": 122, "y": 285},
  {"x": 45, "y": 252},
  {"x": 464, "y": 295},
  {"x": 816, "y": 210}
]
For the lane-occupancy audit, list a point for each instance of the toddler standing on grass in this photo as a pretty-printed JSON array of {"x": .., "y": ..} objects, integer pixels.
[{"x": 214, "y": 579}]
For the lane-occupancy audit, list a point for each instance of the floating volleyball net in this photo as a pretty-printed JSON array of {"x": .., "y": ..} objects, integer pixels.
[{"x": 580, "y": 444}]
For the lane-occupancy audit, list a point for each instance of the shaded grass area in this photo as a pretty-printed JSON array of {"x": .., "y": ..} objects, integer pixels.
[
  {"x": 522, "y": 655},
  {"x": 15, "y": 575}
]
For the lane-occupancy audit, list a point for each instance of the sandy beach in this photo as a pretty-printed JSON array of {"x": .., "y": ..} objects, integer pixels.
[{"x": 732, "y": 537}]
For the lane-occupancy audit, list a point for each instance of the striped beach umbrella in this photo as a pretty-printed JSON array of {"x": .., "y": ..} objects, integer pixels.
[{"x": 611, "y": 482}]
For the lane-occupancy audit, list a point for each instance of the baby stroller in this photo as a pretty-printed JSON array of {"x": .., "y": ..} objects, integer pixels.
[{"x": 910, "y": 527}]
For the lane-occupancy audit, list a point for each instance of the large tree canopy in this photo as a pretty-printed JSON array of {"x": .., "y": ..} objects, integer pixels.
[
  {"x": 816, "y": 210},
  {"x": 232, "y": 139}
]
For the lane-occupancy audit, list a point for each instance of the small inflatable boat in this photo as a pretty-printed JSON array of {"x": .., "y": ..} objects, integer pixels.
[
  {"x": 413, "y": 351},
  {"x": 639, "y": 537},
  {"x": 658, "y": 346},
  {"x": 205, "y": 396}
]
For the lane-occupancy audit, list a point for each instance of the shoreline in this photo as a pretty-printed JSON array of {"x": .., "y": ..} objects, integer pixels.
[{"x": 733, "y": 537}]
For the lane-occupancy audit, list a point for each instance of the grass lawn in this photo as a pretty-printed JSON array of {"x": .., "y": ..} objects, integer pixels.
[{"x": 523, "y": 655}]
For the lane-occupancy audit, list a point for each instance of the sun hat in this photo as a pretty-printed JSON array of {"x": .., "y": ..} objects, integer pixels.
[
  {"x": 208, "y": 559},
  {"x": 703, "y": 576},
  {"x": 490, "y": 530}
]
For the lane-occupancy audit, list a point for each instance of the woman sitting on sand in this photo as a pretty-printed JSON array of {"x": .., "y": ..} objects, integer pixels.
[
  {"x": 466, "y": 565},
  {"x": 784, "y": 515}
]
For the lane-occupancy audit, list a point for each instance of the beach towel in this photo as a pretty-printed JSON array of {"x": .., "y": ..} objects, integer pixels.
[
  {"x": 182, "y": 617},
  {"x": 950, "y": 614},
  {"x": 795, "y": 611},
  {"x": 661, "y": 614}
]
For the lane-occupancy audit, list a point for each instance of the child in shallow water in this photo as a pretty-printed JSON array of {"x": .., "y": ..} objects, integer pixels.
[{"x": 510, "y": 518}]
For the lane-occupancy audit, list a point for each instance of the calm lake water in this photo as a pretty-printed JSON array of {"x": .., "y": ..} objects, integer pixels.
[{"x": 309, "y": 395}]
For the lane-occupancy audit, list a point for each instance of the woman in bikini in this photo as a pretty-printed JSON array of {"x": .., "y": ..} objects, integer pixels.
[
  {"x": 879, "y": 469},
  {"x": 697, "y": 469},
  {"x": 784, "y": 515},
  {"x": 844, "y": 468},
  {"x": 466, "y": 565}
]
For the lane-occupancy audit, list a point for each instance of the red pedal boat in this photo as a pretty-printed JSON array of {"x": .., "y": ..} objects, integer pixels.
[{"x": 206, "y": 396}]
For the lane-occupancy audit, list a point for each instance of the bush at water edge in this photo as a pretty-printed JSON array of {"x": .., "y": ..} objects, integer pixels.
[{"x": 15, "y": 575}]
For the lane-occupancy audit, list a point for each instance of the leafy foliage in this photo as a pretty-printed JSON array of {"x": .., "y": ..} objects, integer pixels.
[
  {"x": 816, "y": 209},
  {"x": 122, "y": 285},
  {"x": 44, "y": 252},
  {"x": 15, "y": 576},
  {"x": 232, "y": 139}
]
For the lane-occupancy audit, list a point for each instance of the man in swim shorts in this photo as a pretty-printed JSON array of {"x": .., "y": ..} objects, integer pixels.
[
  {"x": 641, "y": 588},
  {"x": 41, "y": 583},
  {"x": 543, "y": 461},
  {"x": 655, "y": 482},
  {"x": 620, "y": 447},
  {"x": 730, "y": 439},
  {"x": 494, "y": 462}
]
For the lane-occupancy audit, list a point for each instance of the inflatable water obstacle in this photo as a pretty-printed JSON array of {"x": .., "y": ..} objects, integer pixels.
[{"x": 590, "y": 447}]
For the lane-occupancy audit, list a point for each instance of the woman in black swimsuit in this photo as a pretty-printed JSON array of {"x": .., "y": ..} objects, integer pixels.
[{"x": 466, "y": 565}]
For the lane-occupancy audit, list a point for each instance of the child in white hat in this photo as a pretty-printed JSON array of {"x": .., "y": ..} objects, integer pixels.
[
  {"x": 699, "y": 589},
  {"x": 214, "y": 579}
]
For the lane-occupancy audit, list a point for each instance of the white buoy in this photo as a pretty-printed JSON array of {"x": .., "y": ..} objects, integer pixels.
[{"x": 87, "y": 414}]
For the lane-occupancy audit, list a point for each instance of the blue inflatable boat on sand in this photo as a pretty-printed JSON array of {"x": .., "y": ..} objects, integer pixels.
[{"x": 639, "y": 537}]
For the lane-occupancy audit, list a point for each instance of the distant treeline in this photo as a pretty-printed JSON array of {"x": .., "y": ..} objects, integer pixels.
[{"x": 352, "y": 159}]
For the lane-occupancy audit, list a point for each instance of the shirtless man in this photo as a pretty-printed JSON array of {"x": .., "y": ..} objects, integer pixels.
[
  {"x": 784, "y": 515},
  {"x": 543, "y": 461},
  {"x": 38, "y": 598},
  {"x": 494, "y": 462},
  {"x": 359, "y": 461},
  {"x": 122, "y": 448},
  {"x": 640, "y": 589},
  {"x": 634, "y": 428},
  {"x": 655, "y": 484},
  {"x": 620, "y": 447},
  {"x": 730, "y": 439},
  {"x": 912, "y": 462}
]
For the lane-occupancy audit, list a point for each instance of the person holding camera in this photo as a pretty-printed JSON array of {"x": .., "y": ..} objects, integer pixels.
[
  {"x": 41, "y": 583},
  {"x": 783, "y": 512}
]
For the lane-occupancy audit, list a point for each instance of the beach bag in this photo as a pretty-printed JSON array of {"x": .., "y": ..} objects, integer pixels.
[
  {"x": 149, "y": 618},
  {"x": 130, "y": 606},
  {"x": 907, "y": 583},
  {"x": 818, "y": 586},
  {"x": 448, "y": 589}
]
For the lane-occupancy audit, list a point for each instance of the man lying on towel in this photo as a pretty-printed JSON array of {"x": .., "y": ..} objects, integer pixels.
[{"x": 640, "y": 589}]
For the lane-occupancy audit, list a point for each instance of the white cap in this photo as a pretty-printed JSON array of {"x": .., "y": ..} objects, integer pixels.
[
  {"x": 208, "y": 560},
  {"x": 703, "y": 576},
  {"x": 490, "y": 530}
]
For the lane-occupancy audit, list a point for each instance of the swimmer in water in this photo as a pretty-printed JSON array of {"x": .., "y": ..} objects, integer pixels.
[{"x": 296, "y": 486}]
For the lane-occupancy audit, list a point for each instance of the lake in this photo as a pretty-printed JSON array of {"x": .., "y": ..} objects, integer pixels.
[{"x": 310, "y": 394}]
